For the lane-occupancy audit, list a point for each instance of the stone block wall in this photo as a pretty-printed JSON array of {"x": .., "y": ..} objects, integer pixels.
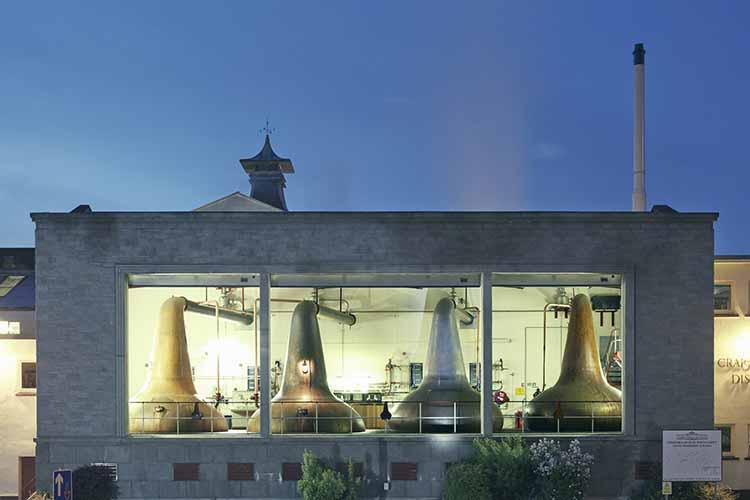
[{"x": 668, "y": 259}]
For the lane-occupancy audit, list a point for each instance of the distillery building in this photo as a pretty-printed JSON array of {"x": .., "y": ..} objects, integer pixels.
[{"x": 201, "y": 353}]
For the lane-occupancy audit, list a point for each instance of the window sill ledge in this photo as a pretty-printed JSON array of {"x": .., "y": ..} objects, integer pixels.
[{"x": 26, "y": 393}]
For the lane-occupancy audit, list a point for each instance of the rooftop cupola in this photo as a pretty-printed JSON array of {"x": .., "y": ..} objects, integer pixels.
[{"x": 266, "y": 171}]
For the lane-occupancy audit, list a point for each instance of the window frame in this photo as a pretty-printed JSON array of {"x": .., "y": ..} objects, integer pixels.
[
  {"x": 8, "y": 332},
  {"x": 264, "y": 271},
  {"x": 730, "y": 311},
  {"x": 20, "y": 389},
  {"x": 721, "y": 427}
]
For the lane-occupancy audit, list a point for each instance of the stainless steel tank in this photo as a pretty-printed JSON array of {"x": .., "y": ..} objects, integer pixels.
[{"x": 444, "y": 401}]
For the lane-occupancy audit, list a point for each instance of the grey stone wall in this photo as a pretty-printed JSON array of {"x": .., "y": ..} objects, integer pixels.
[{"x": 668, "y": 257}]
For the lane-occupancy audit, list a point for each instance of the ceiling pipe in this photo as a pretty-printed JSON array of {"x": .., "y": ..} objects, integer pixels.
[
  {"x": 245, "y": 318},
  {"x": 345, "y": 318},
  {"x": 639, "y": 129},
  {"x": 464, "y": 316}
]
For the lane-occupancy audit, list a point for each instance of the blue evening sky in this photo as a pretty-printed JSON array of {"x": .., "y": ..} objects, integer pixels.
[{"x": 381, "y": 105}]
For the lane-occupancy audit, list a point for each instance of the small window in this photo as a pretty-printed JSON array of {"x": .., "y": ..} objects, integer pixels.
[
  {"x": 240, "y": 472},
  {"x": 726, "y": 437},
  {"x": 722, "y": 297},
  {"x": 10, "y": 328},
  {"x": 186, "y": 472},
  {"x": 7, "y": 283},
  {"x": 404, "y": 471},
  {"x": 28, "y": 376},
  {"x": 291, "y": 471}
]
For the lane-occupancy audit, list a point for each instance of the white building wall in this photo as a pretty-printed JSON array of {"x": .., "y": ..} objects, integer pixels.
[
  {"x": 17, "y": 412},
  {"x": 732, "y": 371}
]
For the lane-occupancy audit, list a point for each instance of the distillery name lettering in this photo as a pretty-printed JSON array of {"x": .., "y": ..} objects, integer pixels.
[{"x": 736, "y": 364}]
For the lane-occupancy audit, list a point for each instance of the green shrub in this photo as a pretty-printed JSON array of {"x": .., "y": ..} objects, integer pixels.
[
  {"x": 320, "y": 482},
  {"x": 560, "y": 474},
  {"x": 92, "y": 482},
  {"x": 40, "y": 495},
  {"x": 466, "y": 481},
  {"x": 706, "y": 491},
  {"x": 507, "y": 467}
]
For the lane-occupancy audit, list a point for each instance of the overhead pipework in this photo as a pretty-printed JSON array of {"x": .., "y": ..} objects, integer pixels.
[
  {"x": 242, "y": 317},
  {"x": 639, "y": 129},
  {"x": 343, "y": 317},
  {"x": 464, "y": 316}
]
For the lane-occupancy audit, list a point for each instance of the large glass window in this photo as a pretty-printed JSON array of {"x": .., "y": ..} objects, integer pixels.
[
  {"x": 369, "y": 354},
  {"x": 373, "y": 354},
  {"x": 192, "y": 353},
  {"x": 558, "y": 352}
]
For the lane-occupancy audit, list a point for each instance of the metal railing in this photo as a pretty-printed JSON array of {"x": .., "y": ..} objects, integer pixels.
[
  {"x": 565, "y": 417},
  {"x": 426, "y": 417},
  {"x": 182, "y": 417},
  {"x": 452, "y": 417}
]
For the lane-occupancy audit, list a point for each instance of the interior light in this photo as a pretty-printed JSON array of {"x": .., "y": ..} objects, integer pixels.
[
  {"x": 305, "y": 367},
  {"x": 742, "y": 343}
]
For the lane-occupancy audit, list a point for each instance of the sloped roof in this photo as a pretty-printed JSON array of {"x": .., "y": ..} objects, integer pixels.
[
  {"x": 20, "y": 294},
  {"x": 236, "y": 202},
  {"x": 266, "y": 160},
  {"x": 17, "y": 287}
]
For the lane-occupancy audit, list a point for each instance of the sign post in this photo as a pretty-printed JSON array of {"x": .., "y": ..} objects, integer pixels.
[
  {"x": 691, "y": 456},
  {"x": 62, "y": 484}
]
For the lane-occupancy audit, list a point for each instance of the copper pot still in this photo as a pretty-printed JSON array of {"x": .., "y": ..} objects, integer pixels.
[
  {"x": 444, "y": 402},
  {"x": 169, "y": 392},
  {"x": 305, "y": 403},
  {"x": 581, "y": 400}
]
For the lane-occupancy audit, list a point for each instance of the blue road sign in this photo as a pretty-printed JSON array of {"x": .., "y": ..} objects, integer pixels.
[{"x": 62, "y": 484}]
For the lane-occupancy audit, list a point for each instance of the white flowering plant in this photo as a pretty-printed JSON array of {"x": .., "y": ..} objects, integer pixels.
[{"x": 560, "y": 474}]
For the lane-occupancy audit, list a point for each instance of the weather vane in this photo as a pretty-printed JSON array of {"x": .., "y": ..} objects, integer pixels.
[{"x": 268, "y": 130}]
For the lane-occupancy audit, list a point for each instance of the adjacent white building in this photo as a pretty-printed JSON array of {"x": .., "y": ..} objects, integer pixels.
[
  {"x": 17, "y": 372},
  {"x": 732, "y": 365}
]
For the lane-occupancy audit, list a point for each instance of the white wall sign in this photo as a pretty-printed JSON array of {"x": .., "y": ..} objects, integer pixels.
[{"x": 691, "y": 456}]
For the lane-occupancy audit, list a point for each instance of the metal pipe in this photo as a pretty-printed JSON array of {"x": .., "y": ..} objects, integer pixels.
[
  {"x": 218, "y": 357},
  {"x": 345, "y": 318},
  {"x": 242, "y": 317},
  {"x": 464, "y": 316},
  {"x": 339, "y": 300},
  {"x": 256, "y": 391},
  {"x": 639, "y": 129}
]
